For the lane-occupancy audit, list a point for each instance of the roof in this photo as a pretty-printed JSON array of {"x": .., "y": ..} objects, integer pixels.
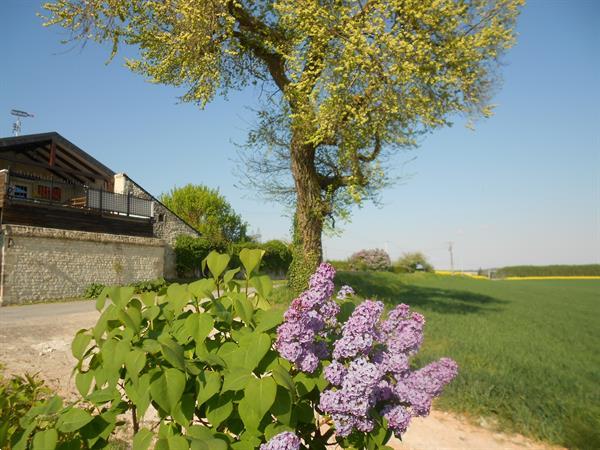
[{"x": 68, "y": 158}]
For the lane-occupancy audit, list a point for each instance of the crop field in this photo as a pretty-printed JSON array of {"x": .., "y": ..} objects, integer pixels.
[{"x": 528, "y": 351}]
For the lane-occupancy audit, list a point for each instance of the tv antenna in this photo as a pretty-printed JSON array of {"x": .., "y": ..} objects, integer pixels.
[{"x": 17, "y": 125}]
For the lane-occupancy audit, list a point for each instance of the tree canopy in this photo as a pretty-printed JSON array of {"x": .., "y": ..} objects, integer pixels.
[
  {"x": 349, "y": 81},
  {"x": 208, "y": 211}
]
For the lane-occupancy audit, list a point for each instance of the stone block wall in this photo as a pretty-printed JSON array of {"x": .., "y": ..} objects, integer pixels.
[
  {"x": 40, "y": 264},
  {"x": 167, "y": 225}
]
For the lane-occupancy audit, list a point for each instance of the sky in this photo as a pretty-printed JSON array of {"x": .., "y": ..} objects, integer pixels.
[{"x": 523, "y": 187}]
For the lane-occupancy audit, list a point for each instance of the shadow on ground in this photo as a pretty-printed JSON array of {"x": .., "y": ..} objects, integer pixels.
[{"x": 393, "y": 292}]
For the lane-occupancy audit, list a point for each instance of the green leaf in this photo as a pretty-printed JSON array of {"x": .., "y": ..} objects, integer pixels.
[
  {"x": 142, "y": 439},
  {"x": 83, "y": 381},
  {"x": 269, "y": 319},
  {"x": 243, "y": 308},
  {"x": 172, "y": 443},
  {"x": 135, "y": 362},
  {"x": 172, "y": 352},
  {"x": 184, "y": 410},
  {"x": 120, "y": 296},
  {"x": 263, "y": 285},
  {"x": 252, "y": 349},
  {"x": 251, "y": 258},
  {"x": 219, "y": 408},
  {"x": 114, "y": 353},
  {"x": 273, "y": 429},
  {"x": 208, "y": 383},
  {"x": 199, "y": 326},
  {"x": 217, "y": 263},
  {"x": 283, "y": 407},
  {"x": 304, "y": 384},
  {"x": 230, "y": 274},
  {"x": 202, "y": 288},
  {"x": 139, "y": 393},
  {"x": 45, "y": 440},
  {"x": 166, "y": 388},
  {"x": 177, "y": 296},
  {"x": 72, "y": 420},
  {"x": 259, "y": 396},
  {"x": 101, "y": 396},
  {"x": 236, "y": 379},
  {"x": 227, "y": 352},
  {"x": 284, "y": 379},
  {"x": 80, "y": 343}
]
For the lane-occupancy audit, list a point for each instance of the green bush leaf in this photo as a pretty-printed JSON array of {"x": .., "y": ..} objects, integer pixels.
[
  {"x": 142, "y": 439},
  {"x": 208, "y": 383},
  {"x": 177, "y": 296},
  {"x": 251, "y": 258},
  {"x": 217, "y": 263},
  {"x": 172, "y": 352},
  {"x": 121, "y": 295},
  {"x": 284, "y": 379},
  {"x": 243, "y": 308},
  {"x": 259, "y": 396},
  {"x": 83, "y": 381},
  {"x": 80, "y": 343},
  {"x": 202, "y": 288},
  {"x": 198, "y": 326},
  {"x": 283, "y": 407},
  {"x": 135, "y": 362},
  {"x": 219, "y": 408},
  {"x": 139, "y": 393},
  {"x": 72, "y": 420},
  {"x": 263, "y": 285},
  {"x": 45, "y": 440},
  {"x": 230, "y": 274},
  {"x": 252, "y": 349},
  {"x": 269, "y": 319},
  {"x": 172, "y": 443},
  {"x": 166, "y": 388},
  {"x": 236, "y": 378}
]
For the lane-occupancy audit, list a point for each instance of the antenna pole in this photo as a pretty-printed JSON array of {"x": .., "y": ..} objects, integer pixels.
[
  {"x": 17, "y": 127},
  {"x": 450, "y": 249}
]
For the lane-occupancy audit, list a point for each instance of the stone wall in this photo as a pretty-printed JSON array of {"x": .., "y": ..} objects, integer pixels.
[
  {"x": 167, "y": 225},
  {"x": 43, "y": 263}
]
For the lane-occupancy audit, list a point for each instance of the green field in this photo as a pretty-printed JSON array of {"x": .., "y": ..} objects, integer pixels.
[{"x": 528, "y": 351}]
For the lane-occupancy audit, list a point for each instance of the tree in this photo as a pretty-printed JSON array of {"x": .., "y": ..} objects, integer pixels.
[
  {"x": 412, "y": 262},
  {"x": 352, "y": 81},
  {"x": 208, "y": 211}
]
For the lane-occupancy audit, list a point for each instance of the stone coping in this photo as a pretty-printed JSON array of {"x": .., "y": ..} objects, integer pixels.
[{"x": 56, "y": 233}]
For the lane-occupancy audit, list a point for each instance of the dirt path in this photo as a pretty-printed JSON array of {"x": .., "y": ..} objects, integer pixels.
[{"x": 37, "y": 338}]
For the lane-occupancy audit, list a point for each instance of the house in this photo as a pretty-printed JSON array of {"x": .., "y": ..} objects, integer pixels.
[{"x": 67, "y": 220}]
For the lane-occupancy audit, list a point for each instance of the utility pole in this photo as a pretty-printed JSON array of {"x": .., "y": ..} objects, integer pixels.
[{"x": 450, "y": 249}]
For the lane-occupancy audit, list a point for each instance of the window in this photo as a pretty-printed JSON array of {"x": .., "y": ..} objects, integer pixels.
[
  {"x": 161, "y": 217},
  {"x": 20, "y": 191}
]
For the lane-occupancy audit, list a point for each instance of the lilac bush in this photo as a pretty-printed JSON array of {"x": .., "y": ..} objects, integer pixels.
[
  {"x": 372, "y": 259},
  {"x": 365, "y": 360}
]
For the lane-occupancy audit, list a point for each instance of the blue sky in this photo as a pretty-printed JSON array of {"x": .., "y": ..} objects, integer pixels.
[{"x": 522, "y": 188}]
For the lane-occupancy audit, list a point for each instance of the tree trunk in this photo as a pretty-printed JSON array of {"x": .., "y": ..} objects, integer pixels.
[{"x": 308, "y": 220}]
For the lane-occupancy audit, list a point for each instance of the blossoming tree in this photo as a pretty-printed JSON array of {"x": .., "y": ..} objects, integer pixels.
[{"x": 351, "y": 80}]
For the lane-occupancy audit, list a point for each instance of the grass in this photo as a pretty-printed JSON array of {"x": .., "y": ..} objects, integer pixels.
[{"x": 528, "y": 351}]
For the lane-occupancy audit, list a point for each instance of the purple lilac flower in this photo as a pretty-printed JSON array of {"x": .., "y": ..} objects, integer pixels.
[
  {"x": 306, "y": 320},
  {"x": 282, "y": 441},
  {"x": 398, "y": 417},
  {"x": 345, "y": 292},
  {"x": 359, "y": 333},
  {"x": 335, "y": 373}
]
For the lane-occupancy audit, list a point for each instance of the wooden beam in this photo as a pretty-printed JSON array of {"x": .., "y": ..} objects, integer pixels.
[{"x": 52, "y": 153}]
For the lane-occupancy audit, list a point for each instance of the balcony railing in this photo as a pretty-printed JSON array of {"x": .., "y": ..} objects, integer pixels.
[{"x": 50, "y": 192}]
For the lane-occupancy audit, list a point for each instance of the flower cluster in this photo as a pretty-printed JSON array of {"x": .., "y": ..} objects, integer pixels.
[
  {"x": 282, "y": 441},
  {"x": 345, "y": 292},
  {"x": 300, "y": 337},
  {"x": 370, "y": 371},
  {"x": 373, "y": 259}
]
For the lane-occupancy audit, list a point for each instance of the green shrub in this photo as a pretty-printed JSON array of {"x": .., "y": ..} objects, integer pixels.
[
  {"x": 93, "y": 290},
  {"x": 190, "y": 251},
  {"x": 340, "y": 264},
  {"x": 412, "y": 262},
  {"x": 582, "y": 270},
  {"x": 18, "y": 396},
  {"x": 155, "y": 285}
]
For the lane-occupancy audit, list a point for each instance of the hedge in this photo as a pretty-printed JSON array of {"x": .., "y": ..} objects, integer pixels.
[
  {"x": 190, "y": 252},
  {"x": 550, "y": 271}
]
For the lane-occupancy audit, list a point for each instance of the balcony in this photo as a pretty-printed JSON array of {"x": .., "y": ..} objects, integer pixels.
[{"x": 30, "y": 200}]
